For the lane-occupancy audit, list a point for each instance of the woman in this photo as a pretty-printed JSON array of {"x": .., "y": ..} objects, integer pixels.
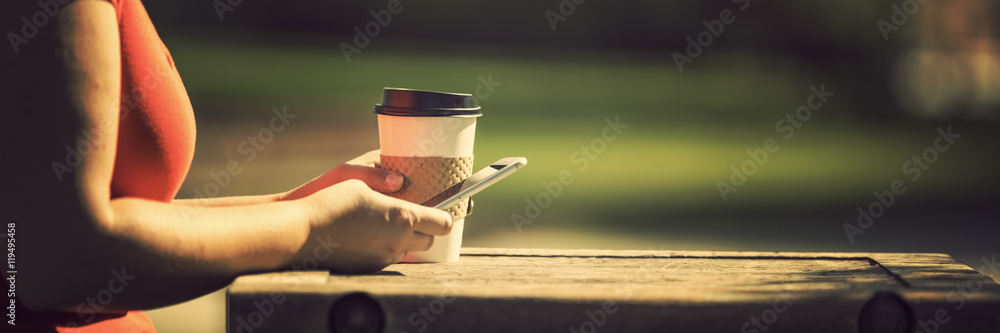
[{"x": 98, "y": 137}]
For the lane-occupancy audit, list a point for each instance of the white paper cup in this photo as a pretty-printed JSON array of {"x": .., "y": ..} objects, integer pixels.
[
  {"x": 426, "y": 136},
  {"x": 414, "y": 123}
]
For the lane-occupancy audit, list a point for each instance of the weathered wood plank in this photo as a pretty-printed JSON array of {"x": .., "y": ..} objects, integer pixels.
[{"x": 545, "y": 290}]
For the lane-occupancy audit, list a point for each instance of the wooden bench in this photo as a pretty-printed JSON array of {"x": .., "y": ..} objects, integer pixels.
[{"x": 586, "y": 291}]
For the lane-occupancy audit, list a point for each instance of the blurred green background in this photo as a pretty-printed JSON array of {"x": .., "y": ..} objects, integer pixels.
[{"x": 655, "y": 185}]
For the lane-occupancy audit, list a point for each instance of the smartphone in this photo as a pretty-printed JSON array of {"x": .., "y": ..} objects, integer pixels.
[{"x": 481, "y": 180}]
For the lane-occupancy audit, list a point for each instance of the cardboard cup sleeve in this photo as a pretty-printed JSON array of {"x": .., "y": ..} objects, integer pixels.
[{"x": 426, "y": 177}]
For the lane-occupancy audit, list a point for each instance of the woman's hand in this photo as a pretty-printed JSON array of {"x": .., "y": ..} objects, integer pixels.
[
  {"x": 361, "y": 168},
  {"x": 354, "y": 228},
  {"x": 357, "y": 230}
]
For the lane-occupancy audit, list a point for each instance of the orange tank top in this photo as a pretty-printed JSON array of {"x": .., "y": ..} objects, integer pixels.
[{"x": 156, "y": 132}]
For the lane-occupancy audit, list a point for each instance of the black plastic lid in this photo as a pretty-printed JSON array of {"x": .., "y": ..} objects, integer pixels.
[{"x": 422, "y": 103}]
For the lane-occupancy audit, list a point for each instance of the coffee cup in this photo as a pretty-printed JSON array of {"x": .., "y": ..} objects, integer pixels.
[{"x": 428, "y": 137}]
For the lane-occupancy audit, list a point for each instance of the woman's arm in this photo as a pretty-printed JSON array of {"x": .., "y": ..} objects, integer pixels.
[{"x": 76, "y": 245}]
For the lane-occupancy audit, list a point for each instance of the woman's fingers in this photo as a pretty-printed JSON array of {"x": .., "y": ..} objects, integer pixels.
[
  {"x": 380, "y": 180},
  {"x": 431, "y": 221},
  {"x": 416, "y": 218},
  {"x": 419, "y": 242}
]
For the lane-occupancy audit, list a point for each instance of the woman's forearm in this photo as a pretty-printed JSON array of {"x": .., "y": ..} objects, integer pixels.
[
  {"x": 171, "y": 252},
  {"x": 227, "y": 239}
]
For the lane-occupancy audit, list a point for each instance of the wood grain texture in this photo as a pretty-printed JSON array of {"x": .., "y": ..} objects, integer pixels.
[{"x": 530, "y": 290}]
